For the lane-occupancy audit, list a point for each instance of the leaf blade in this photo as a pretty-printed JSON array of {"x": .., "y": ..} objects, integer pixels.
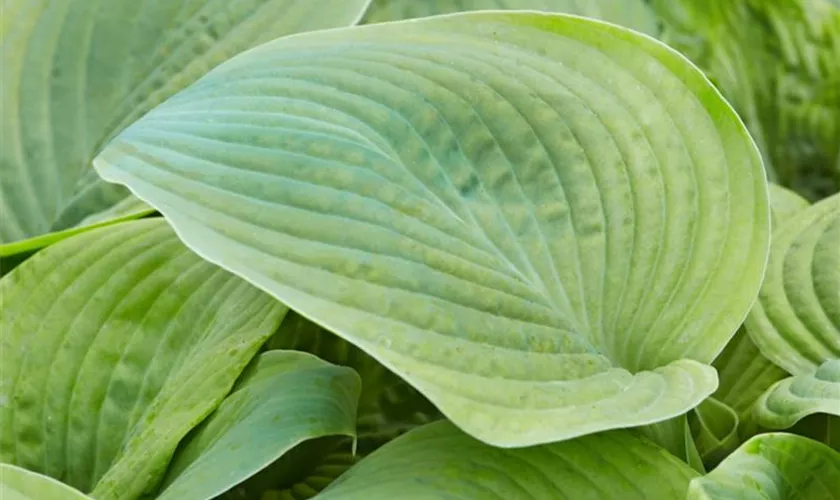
[
  {"x": 438, "y": 460},
  {"x": 287, "y": 396},
  {"x": 77, "y": 72},
  {"x": 136, "y": 357},
  {"x": 432, "y": 253}
]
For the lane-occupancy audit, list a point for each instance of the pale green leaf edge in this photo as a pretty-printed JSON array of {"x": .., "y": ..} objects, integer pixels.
[{"x": 17, "y": 483}]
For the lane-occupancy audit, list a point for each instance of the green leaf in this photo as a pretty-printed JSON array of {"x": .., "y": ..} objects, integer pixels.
[
  {"x": 821, "y": 427},
  {"x": 674, "y": 435},
  {"x": 547, "y": 224},
  {"x": 773, "y": 467},
  {"x": 286, "y": 398},
  {"x": 776, "y": 62},
  {"x": 387, "y": 406},
  {"x": 439, "y": 461},
  {"x": 714, "y": 426},
  {"x": 785, "y": 204},
  {"x": 796, "y": 321},
  {"x": 744, "y": 373},
  {"x": 20, "y": 484},
  {"x": 76, "y": 72},
  {"x": 633, "y": 14},
  {"x": 115, "y": 344},
  {"x": 794, "y": 398}
]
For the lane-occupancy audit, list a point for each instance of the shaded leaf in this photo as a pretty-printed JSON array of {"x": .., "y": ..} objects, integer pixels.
[
  {"x": 462, "y": 197},
  {"x": 284, "y": 399},
  {"x": 674, "y": 435},
  {"x": 744, "y": 373},
  {"x": 714, "y": 426},
  {"x": 76, "y": 72},
  {"x": 773, "y": 467},
  {"x": 388, "y": 405},
  {"x": 439, "y": 461},
  {"x": 821, "y": 427},
  {"x": 115, "y": 344},
  {"x": 20, "y": 484}
]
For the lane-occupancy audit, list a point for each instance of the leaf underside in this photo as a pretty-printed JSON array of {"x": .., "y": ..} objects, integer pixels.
[{"x": 531, "y": 218}]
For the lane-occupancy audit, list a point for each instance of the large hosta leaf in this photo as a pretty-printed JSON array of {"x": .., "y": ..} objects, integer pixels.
[
  {"x": 630, "y": 13},
  {"x": 439, "y": 461},
  {"x": 796, "y": 321},
  {"x": 286, "y": 398},
  {"x": 113, "y": 345},
  {"x": 20, "y": 484},
  {"x": 546, "y": 224},
  {"x": 773, "y": 467},
  {"x": 75, "y": 72}
]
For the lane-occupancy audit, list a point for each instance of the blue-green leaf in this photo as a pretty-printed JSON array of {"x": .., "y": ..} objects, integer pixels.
[
  {"x": 286, "y": 398},
  {"x": 76, "y": 72},
  {"x": 439, "y": 461},
  {"x": 547, "y": 224}
]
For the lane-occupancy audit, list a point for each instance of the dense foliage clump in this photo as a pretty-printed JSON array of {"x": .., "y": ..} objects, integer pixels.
[{"x": 354, "y": 249}]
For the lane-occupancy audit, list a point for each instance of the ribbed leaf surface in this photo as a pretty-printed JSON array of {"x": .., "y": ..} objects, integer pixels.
[
  {"x": 114, "y": 344},
  {"x": 795, "y": 398},
  {"x": 546, "y": 224},
  {"x": 76, "y": 72},
  {"x": 796, "y": 321},
  {"x": 439, "y": 461},
  {"x": 773, "y": 467}
]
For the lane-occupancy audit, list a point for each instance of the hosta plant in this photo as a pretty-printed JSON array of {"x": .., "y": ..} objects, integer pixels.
[{"x": 350, "y": 250}]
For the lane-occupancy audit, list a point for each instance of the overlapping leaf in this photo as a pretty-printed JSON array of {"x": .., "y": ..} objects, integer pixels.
[
  {"x": 794, "y": 398},
  {"x": 286, "y": 398},
  {"x": 633, "y": 14},
  {"x": 20, "y": 484},
  {"x": 387, "y": 406},
  {"x": 75, "y": 72},
  {"x": 745, "y": 374},
  {"x": 114, "y": 344},
  {"x": 796, "y": 321},
  {"x": 714, "y": 427},
  {"x": 776, "y": 62},
  {"x": 439, "y": 461},
  {"x": 546, "y": 224},
  {"x": 773, "y": 467}
]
